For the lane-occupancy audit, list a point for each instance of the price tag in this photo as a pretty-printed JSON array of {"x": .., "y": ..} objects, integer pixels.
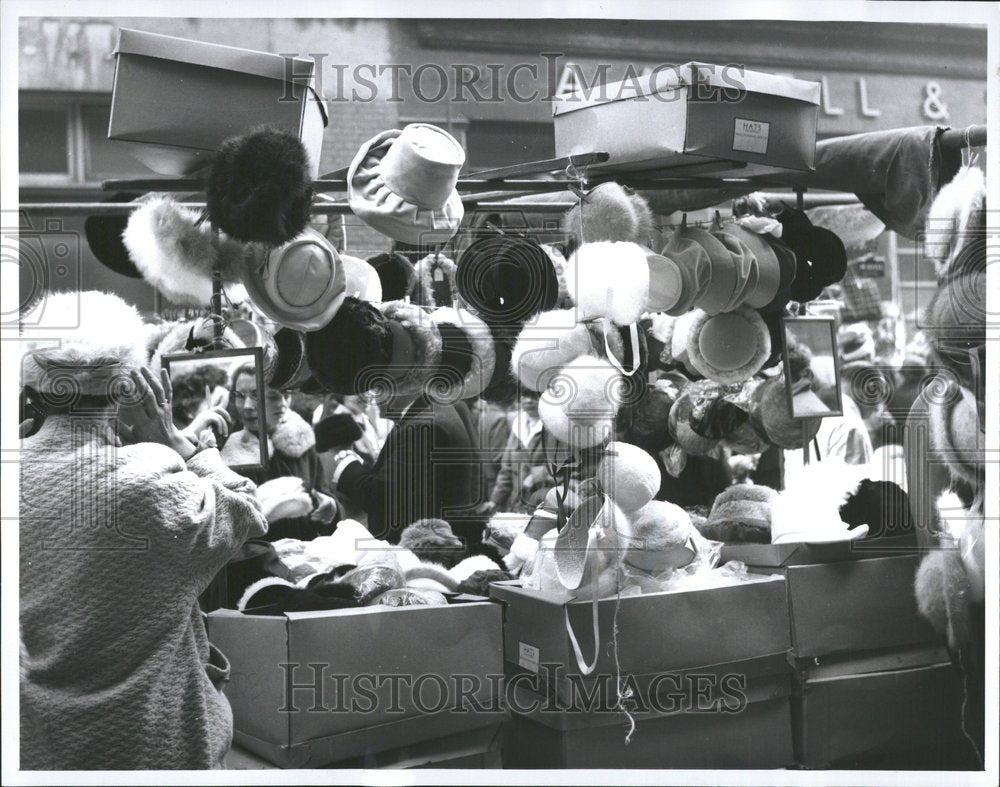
[
  {"x": 527, "y": 656},
  {"x": 751, "y": 136}
]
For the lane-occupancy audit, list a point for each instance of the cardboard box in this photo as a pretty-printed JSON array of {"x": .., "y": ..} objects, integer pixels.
[
  {"x": 697, "y": 119},
  {"x": 851, "y": 712},
  {"x": 175, "y": 100},
  {"x": 757, "y": 735},
  {"x": 313, "y": 688},
  {"x": 657, "y": 633},
  {"x": 846, "y": 603}
]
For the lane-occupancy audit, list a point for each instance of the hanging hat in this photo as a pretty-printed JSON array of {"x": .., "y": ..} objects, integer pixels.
[
  {"x": 659, "y": 536},
  {"x": 547, "y": 345},
  {"x": 768, "y": 268},
  {"x": 787, "y": 272},
  {"x": 952, "y": 216},
  {"x": 809, "y": 510},
  {"x": 628, "y": 475},
  {"x": 649, "y": 427},
  {"x": 101, "y": 337},
  {"x": 609, "y": 279},
  {"x": 402, "y": 183},
  {"x": 722, "y": 279},
  {"x": 956, "y": 432},
  {"x": 771, "y": 415},
  {"x": 361, "y": 280},
  {"x": 773, "y": 321},
  {"x": 300, "y": 285},
  {"x": 259, "y": 187},
  {"x": 730, "y": 347},
  {"x": 580, "y": 403},
  {"x": 745, "y": 262},
  {"x": 820, "y": 254},
  {"x": 187, "y": 337},
  {"x": 435, "y": 282},
  {"x": 467, "y": 349},
  {"x": 681, "y": 431},
  {"x": 559, "y": 264},
  {"x": 177, "y": 255},
  {"x": 695, "y": 266},
  {"x": 364, "y": 347},
  {"x": 104, "y": 236},
  {"x": 609, "y": 212},
  {"x": 741, "y": 514},
  {"x": 291, "y": 368},
  {"x": 396, "y": 274},
  {"x": 666, "y": 282},
  {"x": 253, "y": 334},
  {"x": 679, "y": 340},
  {"x": 506, "y": 279}
]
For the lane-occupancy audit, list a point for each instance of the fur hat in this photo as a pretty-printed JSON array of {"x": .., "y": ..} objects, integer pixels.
[
  {"x": 680, "y": 339},
  {"x": 609, "y": 212},
  {"x": 821, "y": 490},
  {"x": 581, "y": 402},
  {"x": 649, "y": 427},
  {"x": 956, "y": 434},
  {"x": 659, "y": 536},
  {"x": 468, "y": 356},
  {"x": 434, "y": 286},
  {"x": 609, "y": 279},
  {"x": 955, "y": 321},
  {"x": 101, "y": 337},
  {"x": 730, "y": 347},
  {"x": 547, "y": 345},
  {"x": 771, "y": 416},
  {"x": 185, "y": 337},
  {"x": 629, "y": 475},
  {"x": 259, "y": 187},
  {"x": 478, "y": 582},
  {"x": 433, "y": 540},
  {"x": 177, "y": 255},
  {"x": 951, "y": 215},
  {"x": 336, "y": 430},
  {"x": 821, "y": 258},
  {"x": 396, "y": 273},
  {"x": 741, "y": 514}
]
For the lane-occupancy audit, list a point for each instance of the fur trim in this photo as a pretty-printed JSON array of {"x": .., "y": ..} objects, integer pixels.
[
  {"x": 754, "y": 328},
  {"x": 547, "y": 345},
  {"x": 433, "y": 572},
  {"x": 949, "y": 216},
  {"x": 609, "y": 280},
  {"x": 259, "y": 585},
  {"x": 100, "y": 336},
  {"x": 581, "y": 402},
  {"x": 954, "y": 432},
  {"x": 610, "y": 213},
  {"x": 471, "y": 565},
  {"x": 425, "y": 270},
  {"x": 426, "y": 344},
  {"x": 942, "y": 590},
  {"x": 177, "y": 256},
  {"x": 483, "y": 360},
  {"x": 293, "y": 438}
]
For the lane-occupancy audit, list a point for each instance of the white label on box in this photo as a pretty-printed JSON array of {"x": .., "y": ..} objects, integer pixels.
[
  {"x": 751, "y": 135},
  {"x": 527, "y": 656}
]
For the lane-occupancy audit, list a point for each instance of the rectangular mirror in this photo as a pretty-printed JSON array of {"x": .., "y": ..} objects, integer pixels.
[
  {"x": 812, "y": 367},
  {"x": 232, "y": 380}
]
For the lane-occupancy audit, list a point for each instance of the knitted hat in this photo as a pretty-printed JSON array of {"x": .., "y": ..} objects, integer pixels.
[
  {"x": 580, "y": 403},
  {"x": 177, "y": 255},
  {"x": 101, "y": 337},
  {"x": 609, "y": 212},
  {"x": 336, "y": 430},
  {"x": 433, "y": 540},
  {"x": 629, "y": 475},
  {"x": 741, "y": 514},
  {"x": 548, "y": 344},
  {"x": 609, "y": 279},
  {"x": 728, "y": 348},
  {"x": 396, "y": 274},
  {"x": 659, "y": 536},
  {"x": 468, "y": 356}
]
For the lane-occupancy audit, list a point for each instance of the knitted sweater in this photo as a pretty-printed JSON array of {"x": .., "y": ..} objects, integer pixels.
[{"x": 116, "y": 543}]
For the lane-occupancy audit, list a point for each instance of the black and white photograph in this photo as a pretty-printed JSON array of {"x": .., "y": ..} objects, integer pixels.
[{"x": 545, "y": 392}]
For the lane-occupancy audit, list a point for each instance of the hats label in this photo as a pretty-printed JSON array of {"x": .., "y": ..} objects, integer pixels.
[
  {"x": 750, "y": 136},
  {"x": 527, "y": 656}
]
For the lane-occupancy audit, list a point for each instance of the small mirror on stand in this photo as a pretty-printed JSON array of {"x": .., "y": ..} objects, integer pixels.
[
  {"x": 232, "y": 380},
  {"x": 812, "y": 367}
]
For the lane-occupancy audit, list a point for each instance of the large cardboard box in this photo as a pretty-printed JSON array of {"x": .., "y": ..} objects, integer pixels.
[
  {"x": 865, "y": 709},
  {"x": 658, "y": 634},
  {"x": 696, "y": 119},
  {"x": 843, "y": 599},
  {"x": 756, "y": 733},
  {"x": 313, "y": 688},
  {"x": 175, "y": 100}
]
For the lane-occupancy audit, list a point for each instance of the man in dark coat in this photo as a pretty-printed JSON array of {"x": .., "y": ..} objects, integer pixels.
[{"x": 425, "y": 470}]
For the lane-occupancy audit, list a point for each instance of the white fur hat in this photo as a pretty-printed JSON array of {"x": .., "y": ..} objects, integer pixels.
[
  {"x": 609, "y": 279},
  {"x": 659, "y": 536},
  {"x": 177, "y": 255},
  {"x": 581, "y": 402},
  {"x": 949, "y": 215},
  {"x": 629, "y": 475},
  {"x": 820, "y": 489},
  {"x": 546, "y": 345},
  {"x": 610, "y": 213},
  {"x": 90, "y": 340}
]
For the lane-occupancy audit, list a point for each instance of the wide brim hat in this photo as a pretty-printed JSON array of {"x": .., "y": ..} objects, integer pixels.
[
  {"x": 695, "y": 266},
  {"x": 104, "y": 237},
  {"x": 299, "y": 285},
  {"x": 787, "y": 266},
  {"x": 467, "y": 351},
  {"x": 730, "y": 347},
  {"x": 402, "y": 183},
  {"x": 506, "y": 279},
  {"x": 723, "y": 279},
  {"x": 768, "y": 268}
]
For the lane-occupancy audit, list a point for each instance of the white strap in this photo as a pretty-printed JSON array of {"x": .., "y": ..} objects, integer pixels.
[
  {"x": 634, "y": 339},
  {"x": 585, "y": 668}
]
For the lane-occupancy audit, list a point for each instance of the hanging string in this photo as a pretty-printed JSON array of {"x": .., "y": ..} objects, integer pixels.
[{"x": 626, "y": 695}]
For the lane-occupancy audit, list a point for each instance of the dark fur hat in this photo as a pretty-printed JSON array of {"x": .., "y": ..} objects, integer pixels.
[
  {"x": 336, "y": 430},
  {"x": 433, "y": 540},
  {"x": 358, "y": 337},
  {"x": 396, "y": 273},
  {"x": 259, "y": 188}
]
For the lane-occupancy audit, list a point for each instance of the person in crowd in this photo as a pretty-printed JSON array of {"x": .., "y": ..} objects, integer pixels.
[
  {"x": 523, "y": 469},
  {"x": 291, "y": 452},
  {"x": 123, "y": 523},
  {"x": 494, "y": 429},
  {"x": 197, "y": 391}
]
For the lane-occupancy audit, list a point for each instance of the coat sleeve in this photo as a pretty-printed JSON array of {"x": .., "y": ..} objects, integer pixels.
[
  {"x": 201, "y": 510},
  {"x": 505, "y": 478}
]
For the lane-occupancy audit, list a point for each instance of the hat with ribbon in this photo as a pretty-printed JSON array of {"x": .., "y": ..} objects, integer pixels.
[
  {"x": 402, "y": 183},
  {"x": 300, "y": 284}
]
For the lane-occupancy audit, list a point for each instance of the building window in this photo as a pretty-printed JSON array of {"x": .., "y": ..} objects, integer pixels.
[{"x": 62, "y": 141}]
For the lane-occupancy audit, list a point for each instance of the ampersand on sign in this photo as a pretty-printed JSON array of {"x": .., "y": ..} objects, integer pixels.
[{"x": 934, "y": 107}]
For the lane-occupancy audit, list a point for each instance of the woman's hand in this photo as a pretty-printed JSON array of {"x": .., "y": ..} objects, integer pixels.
[
  {"x": 325, "y": 510},
  {"x": 215, "y": 419},
  {"x": 151, "y": 420}
]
